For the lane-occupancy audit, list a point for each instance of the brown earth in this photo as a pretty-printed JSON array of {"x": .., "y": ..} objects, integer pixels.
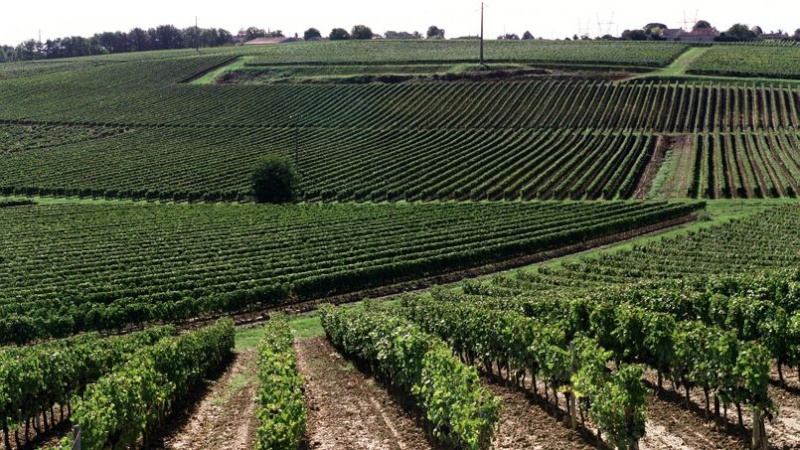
[
  {"x": 47, "y": 439},
  {"x": 225, "y": 418},
  {"x": 784, "y": 430},
  {"x": 677, "y": 184},
  {"x": 347, "y": 409},
  {"x": 667, "y": 411},
  {"x": 650, "y": 172},
  {"x": 525, "y": 425},
  {"x": 670, "y": 426}
]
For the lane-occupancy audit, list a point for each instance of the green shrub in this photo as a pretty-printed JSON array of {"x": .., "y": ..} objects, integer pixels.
[{"x": 275, "y": 181}]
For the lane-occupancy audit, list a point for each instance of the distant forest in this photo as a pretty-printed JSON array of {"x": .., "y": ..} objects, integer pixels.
[{"x": 164, "y": 37}]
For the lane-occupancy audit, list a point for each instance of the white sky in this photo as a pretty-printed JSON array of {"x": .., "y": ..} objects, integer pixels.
[{"x": 557, "y": 19}]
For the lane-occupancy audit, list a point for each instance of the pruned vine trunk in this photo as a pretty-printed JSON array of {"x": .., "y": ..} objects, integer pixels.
[
  {"x": 573, "y": 422},
  {"x": 6, "y": 437},
  {"x": 739, "y": 414},
  {"x": 759, "y": 441}
]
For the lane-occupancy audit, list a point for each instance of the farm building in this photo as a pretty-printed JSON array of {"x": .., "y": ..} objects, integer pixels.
[{"x": 697, "y": 35}]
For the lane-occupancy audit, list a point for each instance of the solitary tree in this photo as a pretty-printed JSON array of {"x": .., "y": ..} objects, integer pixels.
[
  {"x": 651, "y": 25},
  {"x": 702, "y": 25},
  {"x": 312, "y": 34},
  {"x": 655, "y": 31},
  {"x": 274, "y": 180},
  {"x": 435, "y": 32},
  {"x": 339, "y": 34},
  {"x": 253, "y": 33},
  {"x": 634, "y": 35},
  {"x": 527, "y": 36},
  {"x": 739, "y": 32},
  {"x": 362, "y": 32}
]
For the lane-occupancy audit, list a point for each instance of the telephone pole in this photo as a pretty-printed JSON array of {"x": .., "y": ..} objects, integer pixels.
[
  {"x": 295, "y": 120},
  {"x": 483, "y": 62}
]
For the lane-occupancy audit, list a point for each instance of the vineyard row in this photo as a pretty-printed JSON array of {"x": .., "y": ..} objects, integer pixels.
[{"x": 100, "y": 267}]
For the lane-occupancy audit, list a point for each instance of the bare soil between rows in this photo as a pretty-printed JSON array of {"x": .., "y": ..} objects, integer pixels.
[
  {"x": 349, "y": 410},
  {"x": 527, "y": 425},
  {"x": 225, "y": 416}
]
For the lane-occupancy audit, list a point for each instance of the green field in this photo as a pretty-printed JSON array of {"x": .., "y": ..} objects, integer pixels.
[
  {"x": 543, "y": 138},
  {"x": 750, "y": 61},
  {"x": 127, "y": 203},
  {"x": 71, "y": 267},
  {"x": 598, "y": 53}
]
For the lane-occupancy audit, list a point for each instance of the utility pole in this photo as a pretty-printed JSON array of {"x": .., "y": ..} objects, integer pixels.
[
  {"x": 296, "y": 143},
  {"x": 196, "y": 34},
  {"x": 483, "y": 62}
]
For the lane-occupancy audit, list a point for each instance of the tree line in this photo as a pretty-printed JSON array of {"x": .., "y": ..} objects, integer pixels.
[
  {"x": 364, "y": 32},
  {"x": 163, "y": 37},
  {"x": 169, "y": 37},
  {"x": 736, "y": 33}
]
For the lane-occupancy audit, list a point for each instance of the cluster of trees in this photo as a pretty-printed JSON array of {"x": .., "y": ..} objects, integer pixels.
[
  {"x": 650, "y": 32},
  {"x": 359, "y": 32},
  {"x": 742, "y": 33},
  {"x": 364, "y": 32},
  {"x": 254, "y": 33},
  {"x": 737, "y": 33},
  {"x": 515, "y": 37},
  {"x": 164, "y": 37}
]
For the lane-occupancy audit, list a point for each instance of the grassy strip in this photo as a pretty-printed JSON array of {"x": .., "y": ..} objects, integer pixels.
[{"x": 211, "y": 76}]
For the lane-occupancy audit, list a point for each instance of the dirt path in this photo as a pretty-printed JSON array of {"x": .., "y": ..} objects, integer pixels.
[
  {"x": 679, "y": 67},
  {"x": 346, "y": 409},
  {"x": 784, "y": 430},
  {"x": 690, "y": 429},
  {"x": 669, "y": 427},
  {"x": 653, "y": 166},
  {"x": 676, "y": 172},
  {"x": 525, "y": 425},
  {"x": 225, "y": 418}
]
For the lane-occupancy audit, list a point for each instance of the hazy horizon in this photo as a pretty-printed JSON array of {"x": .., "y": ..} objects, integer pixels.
[{"x": 553, "y": 20}]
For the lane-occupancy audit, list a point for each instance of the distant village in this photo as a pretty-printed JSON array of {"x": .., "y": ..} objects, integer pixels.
[{"x": 703, "y": 31}]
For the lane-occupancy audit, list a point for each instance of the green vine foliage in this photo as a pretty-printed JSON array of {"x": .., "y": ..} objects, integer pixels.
[
  {"x": 126, "y": 405},
  {"x": 462, "y": 414},
  {"x": 34, "y": 379},
  {"x": 619, "y": 407},
  {"x": 572, "y": 364},
  {"x": 281, "y": 412}
]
